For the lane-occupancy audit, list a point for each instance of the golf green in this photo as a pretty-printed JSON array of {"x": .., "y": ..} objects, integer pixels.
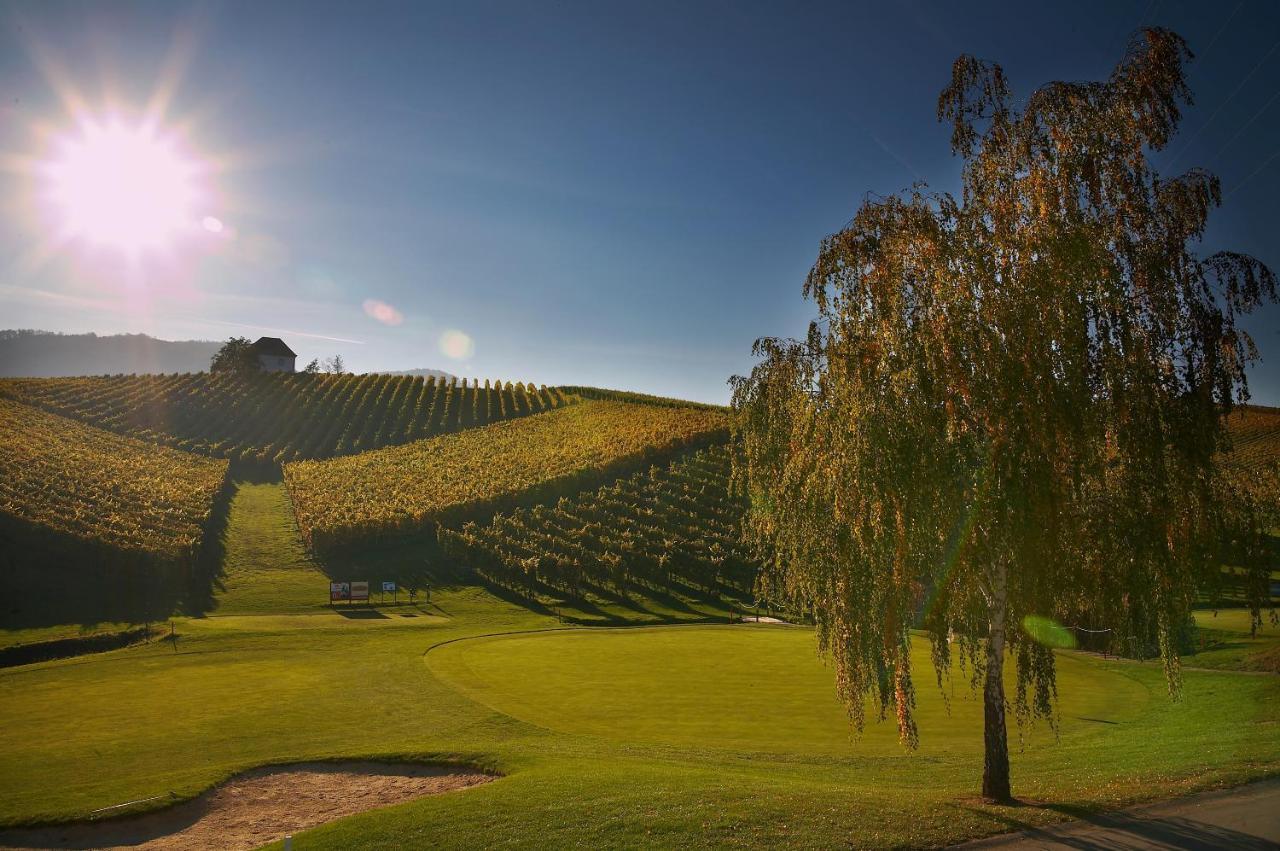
[{"x": 741, "y": 688}]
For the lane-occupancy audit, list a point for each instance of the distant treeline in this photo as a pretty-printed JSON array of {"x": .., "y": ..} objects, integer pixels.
[{"x": 46, "y": 354}]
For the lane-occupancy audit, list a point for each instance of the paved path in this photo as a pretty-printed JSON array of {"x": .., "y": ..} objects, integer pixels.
[{"x": 1246, "y": 818}]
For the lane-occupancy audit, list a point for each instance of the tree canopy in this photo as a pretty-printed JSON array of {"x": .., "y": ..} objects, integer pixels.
[
  {"x": 236, "y": 355},
  {"x": 1009, "y": 410}
]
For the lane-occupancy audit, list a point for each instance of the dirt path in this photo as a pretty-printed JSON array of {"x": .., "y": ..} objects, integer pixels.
[
  {"x": 1246, "y": 819},
  {"x": 256, "y": 807}
]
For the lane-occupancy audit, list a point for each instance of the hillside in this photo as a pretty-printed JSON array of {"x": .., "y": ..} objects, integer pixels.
[
  {"x": 404, "y": 489},
  {"x": 655, "y": 531},
  {"x": 90, "y": 516},
  {"x": 45, "y": 354},
  {"x": 439, "y": 374},
  {"x": 273, "y": 418},
  {"x": 1255, "y": 435}
]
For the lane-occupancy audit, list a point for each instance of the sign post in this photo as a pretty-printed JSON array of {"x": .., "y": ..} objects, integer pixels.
[
  {"x": 360, "y": 591},
  {"x": 339, "y": 591},
  {"x": 393, "y": 588}
]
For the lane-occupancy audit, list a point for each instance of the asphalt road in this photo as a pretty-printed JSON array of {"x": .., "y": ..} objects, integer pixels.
[{"x": 1246, "y": 818}]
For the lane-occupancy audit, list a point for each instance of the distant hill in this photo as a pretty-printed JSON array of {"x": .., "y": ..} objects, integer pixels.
[
  {"x": 46, "y": 354},
  {"x": 421, "y": 373},
  {"x": 271, "y": 418}
]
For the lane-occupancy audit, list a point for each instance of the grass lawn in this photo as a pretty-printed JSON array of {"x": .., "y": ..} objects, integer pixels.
[
  {"x": 680, "y": 735},
  {"x": 1224, "y": 642},
  {"x": 747, "y": 689},
  {"x": 265, "y": 566}
]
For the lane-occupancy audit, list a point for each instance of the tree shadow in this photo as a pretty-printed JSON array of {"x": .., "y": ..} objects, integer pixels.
[{"x": 1092, "y": 830}]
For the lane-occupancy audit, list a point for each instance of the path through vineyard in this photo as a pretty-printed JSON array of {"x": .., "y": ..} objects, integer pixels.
[{"x": 265, "y": 566}]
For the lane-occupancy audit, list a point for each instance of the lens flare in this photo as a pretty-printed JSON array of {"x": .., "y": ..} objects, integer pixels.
[
  {"x": 457, "y": 345},
  {"x": 1048, "y": 632},
  {"x": 383, "y": 312},
  {"x": 125, "y": 187}
]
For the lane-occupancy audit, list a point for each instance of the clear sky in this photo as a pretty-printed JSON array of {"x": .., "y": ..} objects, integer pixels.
[{"x": 624, "y": 195}]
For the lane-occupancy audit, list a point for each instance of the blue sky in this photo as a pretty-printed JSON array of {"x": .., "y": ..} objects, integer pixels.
[{"x": 624, "y": 195}]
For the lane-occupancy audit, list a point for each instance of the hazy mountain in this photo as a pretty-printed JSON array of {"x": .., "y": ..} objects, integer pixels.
[
  {"x": 46, "y": 354},
  {"x": 420, "y": 372}
]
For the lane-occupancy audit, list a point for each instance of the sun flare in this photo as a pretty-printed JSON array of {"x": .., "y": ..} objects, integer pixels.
[{"x": 129, "y": 188}]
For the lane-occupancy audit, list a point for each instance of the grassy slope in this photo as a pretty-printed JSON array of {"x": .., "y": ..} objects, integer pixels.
[
  {"x": 266, "y": 568},
  {"x": 688, "y": 735},
  {"x": 244, "y": 690},
  {"x": 1226, "y": 642},
  {"x": 679, "y": 736}
]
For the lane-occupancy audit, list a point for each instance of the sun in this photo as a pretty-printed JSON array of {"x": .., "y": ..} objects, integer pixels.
[{"x": 126, "y": 187}]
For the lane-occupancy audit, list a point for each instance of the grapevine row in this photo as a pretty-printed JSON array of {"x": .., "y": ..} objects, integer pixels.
[
  {"x": 276, "y": 418},
  {"x": 362, "y": 499},
  {"x": 660, "y": 527},
  {"x": 115, "y": 491}
]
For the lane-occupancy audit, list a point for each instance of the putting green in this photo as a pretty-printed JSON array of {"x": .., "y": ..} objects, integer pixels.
[{"x": 741, "y": 688}]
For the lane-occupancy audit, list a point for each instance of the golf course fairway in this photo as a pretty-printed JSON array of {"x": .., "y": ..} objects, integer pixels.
[{"x": 742, "y": 688}]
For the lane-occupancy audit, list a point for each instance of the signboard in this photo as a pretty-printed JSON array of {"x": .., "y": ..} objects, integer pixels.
[
  {"x": 388, "y": 586},
  {"x": 359, "y": 590},
  {"x": 339, "y": 591}
]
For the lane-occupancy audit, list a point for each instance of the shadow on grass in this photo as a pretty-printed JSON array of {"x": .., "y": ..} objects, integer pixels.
[
  {"x": 50, "y": 579},
  {"x": 1095, "y": 830},
  {"x": 359, "y": 613}
]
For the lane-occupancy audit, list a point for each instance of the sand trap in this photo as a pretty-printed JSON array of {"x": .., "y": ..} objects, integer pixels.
[
  {"x": 257, "y": 807},
  {"x": 763, "y": 619}
]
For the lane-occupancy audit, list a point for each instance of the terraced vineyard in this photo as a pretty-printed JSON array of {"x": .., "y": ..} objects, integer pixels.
[
  {"x": 373, "y": 496},
  {"x": 87, "y": 513},
  {"x": 275, "y": 418},
  {"x": 114, "y": 491},
  {"x": 1255, "y": 435},
  {"x": 657, "y": 527}
]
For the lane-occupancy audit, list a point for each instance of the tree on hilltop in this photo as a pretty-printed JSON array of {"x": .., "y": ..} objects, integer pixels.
[
  {"x": 236, "y": 355},
  {"x": 1008, "y": 415}
]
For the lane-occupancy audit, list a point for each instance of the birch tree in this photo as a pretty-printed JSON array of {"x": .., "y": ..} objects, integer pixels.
[{"x": 1009, "y": 409}]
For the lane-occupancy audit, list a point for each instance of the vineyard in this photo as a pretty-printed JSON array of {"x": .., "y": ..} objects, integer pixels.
[
  {"x": 90, "y": 484},
  {"x": 275, "y": 418},
  {"x": 82, "y": 510},
  {"x": 365, "y": 498},
  {"x": 1255, "y": 435},
  {"x": 658, "y": 528}
]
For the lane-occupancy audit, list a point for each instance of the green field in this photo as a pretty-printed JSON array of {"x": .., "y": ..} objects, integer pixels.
[
  {"x": 1225, "y": 641},
  {"x": 745, "y": 688},
  {"x": 265, "y": 566},
  {"x": 690, "y": 735},
  {"x": 662, "y": 723}
]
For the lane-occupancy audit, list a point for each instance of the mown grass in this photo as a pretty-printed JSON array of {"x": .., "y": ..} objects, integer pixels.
[
  {"x": 265, "y": 566},
  {"x": 689, "y": 736},
  {"x": 749, "y": 689},
  {"x": 681, "y": 735},
  {"x": 1225, "y": 641}
]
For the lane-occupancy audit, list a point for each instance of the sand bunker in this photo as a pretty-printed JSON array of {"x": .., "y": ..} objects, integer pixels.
[{"x": 257, "y": 807}]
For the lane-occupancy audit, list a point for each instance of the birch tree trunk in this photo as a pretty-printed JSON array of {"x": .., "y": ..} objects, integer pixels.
[{"x": 995, "y": 771}]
